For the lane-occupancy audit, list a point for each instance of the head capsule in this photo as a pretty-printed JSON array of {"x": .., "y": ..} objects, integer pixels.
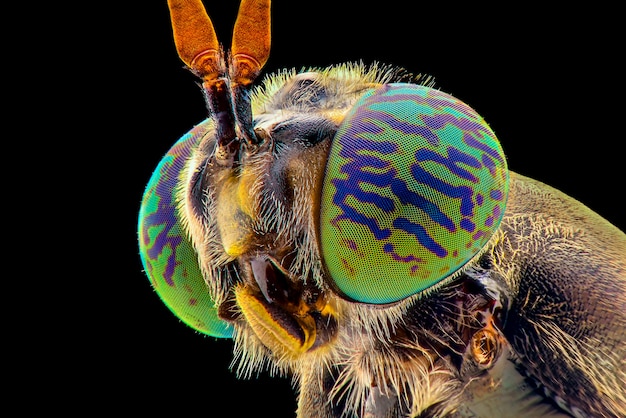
[{"x": 415, "y": 186}]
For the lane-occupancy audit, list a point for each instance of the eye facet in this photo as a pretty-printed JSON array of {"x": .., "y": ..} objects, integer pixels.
[
  {"x": 168, "y": 256},
  {"x": 415, "y": 186}
]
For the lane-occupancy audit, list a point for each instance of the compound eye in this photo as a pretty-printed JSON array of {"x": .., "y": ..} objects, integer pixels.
[
  {"x": 415, "y": 186},
  {"x": 167, "y": 254}
]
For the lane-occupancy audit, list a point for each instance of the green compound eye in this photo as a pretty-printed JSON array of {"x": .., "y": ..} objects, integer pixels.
[
  {"x": 415, "y": 186},
  {"x": 168, "y": 256}
]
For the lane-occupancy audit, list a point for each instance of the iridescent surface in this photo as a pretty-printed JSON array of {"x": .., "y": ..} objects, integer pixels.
[
  {"x": 166, "y": 253},
  {"x": 416, "y": 184}
]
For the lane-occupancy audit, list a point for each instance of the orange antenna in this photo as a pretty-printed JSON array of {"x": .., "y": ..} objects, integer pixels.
[
  {"x": 251, "y": 40},
  {"x": 227, "y": 93},
  {"x": 195, "y": 37}
]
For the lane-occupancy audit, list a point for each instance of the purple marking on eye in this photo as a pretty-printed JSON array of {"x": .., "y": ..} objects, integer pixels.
[
  {"x": 406, "y": 196},
  {"x": 496, "y": 194},
  {"x": 467, "y": 124},
  {"x": 365, "y": 126},
  {"x": 193, "y": 301},
  {"x": 357, "y": 173},
  {"x": 440, "y": 100},
  {"x": 164, "y": 215},
  {"x": 350, "y": 244},
  {"x": 458, "y": 192},
  {"x": 496, "y": 212},
  {"x": 351, "y": 186},
  {"x": 495, "y": 215},
  {"x": 438, "y": 121},
  {"x": 451, "y": 162},
  {"x": 365, "y": 135},
  {"x": 347, "y": 266},
  {"x": 467, "y": 225},
  {"x": 420, "y": 233},
  {"x": 163, "y": 240},
  {"x": 396, "y": 124},
  {"x": 432, "y": 99},
  {"x": 356, "y": 217},
  {"x": 490, "y": 164},
  {"x": 474, "y": 143},
  {"x": 389, "y": 249},
  {"x": 478, "y": 235}
]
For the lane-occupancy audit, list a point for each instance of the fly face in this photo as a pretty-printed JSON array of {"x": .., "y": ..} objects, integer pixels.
[{"x": 253, "y": 222}]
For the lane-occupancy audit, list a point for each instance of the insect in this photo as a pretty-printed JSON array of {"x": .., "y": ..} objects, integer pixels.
[{"x": 359, "y": 230}]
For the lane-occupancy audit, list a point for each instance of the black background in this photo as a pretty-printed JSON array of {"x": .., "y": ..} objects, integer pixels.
[{"x": 546, "y": 81}]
